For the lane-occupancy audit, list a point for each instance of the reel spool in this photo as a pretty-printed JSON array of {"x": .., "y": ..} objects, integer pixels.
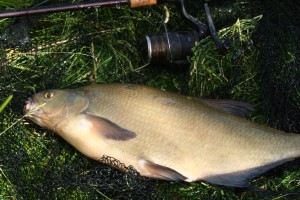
[{"x": 173, "y": 48}]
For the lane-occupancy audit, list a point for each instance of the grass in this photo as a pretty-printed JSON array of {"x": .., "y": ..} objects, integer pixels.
[
  {"x": 72, "y": 49},
  {"x": 4, "y": 104}
]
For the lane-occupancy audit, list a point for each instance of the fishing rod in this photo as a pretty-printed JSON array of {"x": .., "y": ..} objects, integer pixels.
[
  {"x": 171, "y": 48},
  {"x": 64, "y": 8}
]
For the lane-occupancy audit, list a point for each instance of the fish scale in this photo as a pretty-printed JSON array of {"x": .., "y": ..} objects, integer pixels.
[{"x": 166, "y": 135}]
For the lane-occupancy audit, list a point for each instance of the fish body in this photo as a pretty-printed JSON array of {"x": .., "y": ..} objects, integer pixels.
[{"x": 161, "y": 134}]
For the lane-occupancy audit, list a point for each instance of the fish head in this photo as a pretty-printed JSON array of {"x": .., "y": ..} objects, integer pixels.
[{"x": 49, "y": 108}]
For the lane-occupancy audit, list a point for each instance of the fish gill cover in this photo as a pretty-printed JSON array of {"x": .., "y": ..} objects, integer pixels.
[{"x": 71, "y": 49}]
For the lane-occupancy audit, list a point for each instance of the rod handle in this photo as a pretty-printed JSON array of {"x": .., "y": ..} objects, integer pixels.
[{"x": 139, "y": 3}]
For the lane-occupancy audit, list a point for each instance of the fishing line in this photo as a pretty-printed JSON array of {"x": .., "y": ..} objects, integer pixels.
[{"x": 168, "y": 41}]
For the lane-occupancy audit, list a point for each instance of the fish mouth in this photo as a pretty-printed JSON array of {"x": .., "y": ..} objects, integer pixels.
[
  {"x": 32, "y": 112},
  {"x": 29, "y": 105}
]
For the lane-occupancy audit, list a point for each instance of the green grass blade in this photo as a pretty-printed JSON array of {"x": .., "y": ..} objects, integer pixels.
[{"x": 4, "y": 104}]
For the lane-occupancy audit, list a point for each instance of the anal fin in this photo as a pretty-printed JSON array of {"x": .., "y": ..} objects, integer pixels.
[
  {"x": 241, "y": 178},
  {"x": 160, "y": 172}
]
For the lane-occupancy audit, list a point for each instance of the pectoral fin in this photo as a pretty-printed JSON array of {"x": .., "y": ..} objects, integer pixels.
[
  {"x": 109, "y": 129},
  {"x": 160, "y": 172}
]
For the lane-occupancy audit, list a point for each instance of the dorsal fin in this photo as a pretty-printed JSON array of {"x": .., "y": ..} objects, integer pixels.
[{"x": 237, "y": 108}]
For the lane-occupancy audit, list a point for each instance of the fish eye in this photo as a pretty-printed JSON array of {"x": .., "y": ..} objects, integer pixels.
[{"x": 49, "y": 95}]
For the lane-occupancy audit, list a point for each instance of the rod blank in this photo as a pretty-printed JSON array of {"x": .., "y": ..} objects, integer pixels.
[{"x": 62, "y": 8}]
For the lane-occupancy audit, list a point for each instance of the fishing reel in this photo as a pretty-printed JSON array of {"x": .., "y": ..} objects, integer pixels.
[
  {"x": 173, "y": 48},
  {"x": 169, "y": 48}
]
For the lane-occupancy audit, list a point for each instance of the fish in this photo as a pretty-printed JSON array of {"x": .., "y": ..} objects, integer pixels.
[{"x": 164, "y": 135}]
